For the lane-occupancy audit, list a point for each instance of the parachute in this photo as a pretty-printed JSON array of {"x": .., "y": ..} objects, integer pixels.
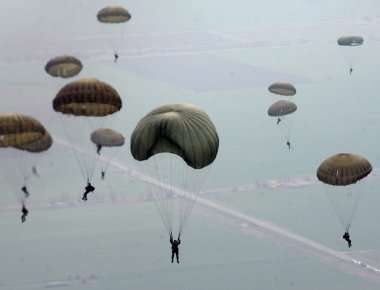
[
  {"x": 177, "y": 143},
  {"x": 342, "y": 173},
  {"x": 282, "y": 88},
  {"x": 105, "y": 137},
  {"x": 181, "y": 129},
  {"x": 64, "y": 66},
  {"x": 281, "y": 110},
  {"x": 85, "y": 104},
  {"x": 113, "y": 14},
  {"x": 87, "y": 97},
  {"x": 114, "y": 17},
  {"x": 18, "y": 129},
  {"x": 350, "y": 41},
  {"x": 349, "y": 45},
  {"x": 24, "y": 133}
]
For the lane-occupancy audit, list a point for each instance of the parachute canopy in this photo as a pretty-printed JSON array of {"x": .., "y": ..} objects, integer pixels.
[
  {"x": 18, "y": 129},
  {"x": 282, "y": 88},
  {"x": 350, "y": 40},
  {"x": 113, "y": 14},
  {"x": 64, "y": 66},
  {"x": 282, "y": 108},
  {"x": 87, "y": 97},
  {"x": 41, "y": 145},
  {"x": 107, "y": 137},
  {"x": 343, "y": 169},
  {"x": 181, "y": 129}
]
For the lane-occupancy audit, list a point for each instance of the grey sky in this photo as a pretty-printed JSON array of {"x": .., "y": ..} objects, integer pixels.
[{"x": 221, "y": 56}]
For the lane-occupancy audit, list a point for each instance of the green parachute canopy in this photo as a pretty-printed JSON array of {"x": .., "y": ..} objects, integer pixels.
[
  {"x": 282, "y": 108},
  {"x": 87, "y": 97},
  {"x": 181, "y": 129},
  {"x": 64, "y": 66},
  {"x": 113, "y": 14},
  {"x": 18, "y": 130},
  {"x": 107, "y": 137},
  {"x": 343, "y": 169},
  {"x": 282, "y": 88}
]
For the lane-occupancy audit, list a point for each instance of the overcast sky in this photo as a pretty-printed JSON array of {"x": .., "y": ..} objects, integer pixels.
[{"x": 220, "y": 55}]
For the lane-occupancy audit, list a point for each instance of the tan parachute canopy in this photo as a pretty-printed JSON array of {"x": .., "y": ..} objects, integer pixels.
[
  {"x": 87, "y": 97},
  {"x": 113, "y": 14},
  {"x": 282, "y": 88},
  {"x": 107, "y": 137},
  {"x": 343, "y": 169},
  {"x": 181, "y": 129},
  {"x": 18, "y": 129},
  {"x": 282, "y": 108},
  {"x": 64, "y": 66},
  {"x": 350, "y": 40},
  {"x": 41, "y": 145}
]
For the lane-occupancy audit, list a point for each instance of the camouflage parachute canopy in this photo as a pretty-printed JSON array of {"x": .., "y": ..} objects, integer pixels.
[
  {"x": 282, "y": 88},
  {"x": 64, "y": 66},
  {"x": 113, "y": 14},
  {"x": 107, "y": 137},
  {"x": 41, "y": 145},
  {"x": 18, "y": 129},
  {"x": 181, "y": 129},
  {"x": 87, "y": 97},
  {"x": 350, "y": 40},
  {"x": 343, "y": 169},
  {"x": 282, "y": 108}
]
